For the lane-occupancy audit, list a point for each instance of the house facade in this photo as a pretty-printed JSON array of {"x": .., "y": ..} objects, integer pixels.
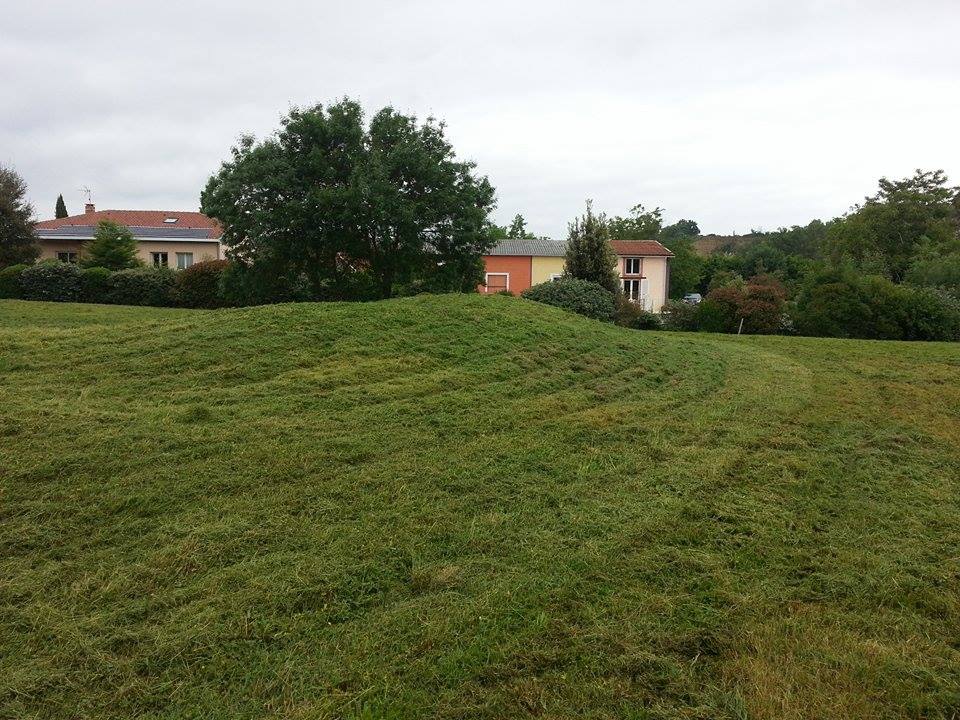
[
  {"x": 643, "y": 267},
  {"x": 165, "y": 239}
]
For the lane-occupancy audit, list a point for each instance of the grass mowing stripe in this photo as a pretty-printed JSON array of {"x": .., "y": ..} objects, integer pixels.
[{"x": 459, "y": 507}]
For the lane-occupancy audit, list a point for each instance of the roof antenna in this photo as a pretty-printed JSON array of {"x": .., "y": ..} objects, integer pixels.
[{"x": 89, "y": 193}]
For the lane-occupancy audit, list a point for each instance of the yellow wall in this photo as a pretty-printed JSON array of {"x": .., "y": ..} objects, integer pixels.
[
  {"x": 201, "y": 250},
  {"x": 543, "y": 267}
]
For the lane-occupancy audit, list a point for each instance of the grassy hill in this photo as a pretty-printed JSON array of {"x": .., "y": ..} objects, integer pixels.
[{"x": 466, "y": 507}]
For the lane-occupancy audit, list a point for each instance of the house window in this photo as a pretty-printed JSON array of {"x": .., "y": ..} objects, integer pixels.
[
  {"x": 632, "y": 266},
  {"x": 495, "y": 282},
  {"x": 159, "y": 259},
  {"x": 184, "y": 260},
  {"x": 631, "y": 288},
  {"x": 555, "y": 276},
  {"x": 69, "y": 257}
]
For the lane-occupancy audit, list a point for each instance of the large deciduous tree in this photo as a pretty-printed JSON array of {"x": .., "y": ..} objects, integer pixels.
[
  {"x": 113, "y": 247},
  {"x": 886, "y": 232},
  {"x": 18, "y": 244},
  {"x": 640, "y": 224},
  {"x": 589, "y": 253},
  {"x": 336, "y": 200}
]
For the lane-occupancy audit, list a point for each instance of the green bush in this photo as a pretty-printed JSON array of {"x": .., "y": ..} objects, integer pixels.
[
  {"x": 95, "y": 285},
  {"x": 678, "y": 315},
  {"x": 198, "y": 286},
  {"x": 942, "y": 270},
  {"x": 720, "y": 310},
  {"x": 579, "y": 296},
  {"x": 756, "y": 307},
  {"x": 51, "y": 280},
  {"x": 142, "y": 286},
  {"x": 930, "y": 314},
  {"x": 839, "y": 302},
  {"x": 762, "y": 305},
  {"x": 632, "y": 315},
  {"x": 241, "y": 285},
  {"x": 10, "y": 286}
]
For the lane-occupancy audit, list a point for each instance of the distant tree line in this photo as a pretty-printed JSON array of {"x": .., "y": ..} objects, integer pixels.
[{"x": 334, "y": 206}]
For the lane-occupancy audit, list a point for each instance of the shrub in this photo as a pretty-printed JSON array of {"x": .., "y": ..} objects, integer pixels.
[
  {"x": 720, "y": 310},
  {"x": 725, "y": 278},
  {"x": 930, "y": 314},
  {"x": 142, "y": 286},
  {"x": 241, "y": 285},
  {"x": 762, "y": 305},
  {"x": 632, "y": 315},
  {"x": 757, "y": 307},
  {"x": 841, "y": 303},
  {"x": 10, "y": 286},
  {"x": 942, "y": 270},
  {"x": 198, "y": 286},
  {"x": 678, "y": 315},
  {"x": 579, "y": 296},
  {"x": 94, "y": 285},
  {"x": 51, "y": 280}
]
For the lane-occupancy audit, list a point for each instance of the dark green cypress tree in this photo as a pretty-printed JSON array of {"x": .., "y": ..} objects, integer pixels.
[
  {"x": 61, "y": 210},
  {"x": 589, "y": 253}
]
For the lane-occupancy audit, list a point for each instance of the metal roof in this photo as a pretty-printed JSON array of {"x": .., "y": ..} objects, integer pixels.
[
  {"x": 140, "y": 233},
  {"x": 538, "y": 247}
]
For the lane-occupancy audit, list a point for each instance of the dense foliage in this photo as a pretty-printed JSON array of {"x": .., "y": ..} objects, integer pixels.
[
  {"x": 10, "y": 286},
  {"x": 329, "y": 197},
  {"x": 199, "y": 285},
  {"x": 18, "y": 244},
  {"x": 589, "y": 255},
  {"x": 241, "y": 284},
  {"x": 142, "y": 286},
  {"x": 580, "y": 296},
  {"x": 840, "y": 302},
  {"x": 885, "y": 234},
  {"x": 60, "y": 211},
  {"x": 95, "y": 284},
  {"x": 51, "y": 280},
  {"x": 113, "y": 247},
  {"x": 632, "y": 315}
]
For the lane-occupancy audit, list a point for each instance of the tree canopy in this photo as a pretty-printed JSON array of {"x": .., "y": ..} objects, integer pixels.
[
  {"x": 113, "y": 247},
  {"x": 885, "y": 233},
  {"x": 589, "y": 253},
  {"x": 640, "y": 224},
  {"x": 355, "y": 208},
  {"x": 61, "y": 210},
  {"x": 18, "y": 244},
  {"x": 680, "y": 229}
]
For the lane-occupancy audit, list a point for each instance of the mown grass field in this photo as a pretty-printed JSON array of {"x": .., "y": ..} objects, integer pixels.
[{"x": 466, "y": 507}]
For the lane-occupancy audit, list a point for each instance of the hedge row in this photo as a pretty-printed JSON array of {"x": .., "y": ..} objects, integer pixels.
[
  {"x": 833, "y": 303},
  {"x": 198, "y": 286}
]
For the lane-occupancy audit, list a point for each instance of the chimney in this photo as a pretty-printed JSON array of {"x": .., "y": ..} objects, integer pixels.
[{"x": 89, "y": 208}]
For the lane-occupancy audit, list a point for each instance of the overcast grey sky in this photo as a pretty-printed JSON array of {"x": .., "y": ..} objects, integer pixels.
[{"x": 736, "y": 113}]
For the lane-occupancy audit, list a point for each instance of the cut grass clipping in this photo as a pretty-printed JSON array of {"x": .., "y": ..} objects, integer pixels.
[{"x": 469, "y": 507}]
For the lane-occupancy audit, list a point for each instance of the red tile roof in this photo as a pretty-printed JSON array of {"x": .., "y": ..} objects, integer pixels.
[
  {"x": 640, "y": 248},
  {"x": 139, "y": 218}
]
